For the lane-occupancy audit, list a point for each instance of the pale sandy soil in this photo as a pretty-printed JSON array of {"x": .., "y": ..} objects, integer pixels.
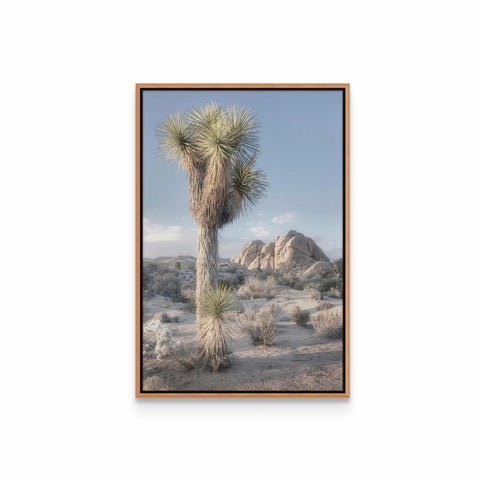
[{"x": 299, "y": 359}]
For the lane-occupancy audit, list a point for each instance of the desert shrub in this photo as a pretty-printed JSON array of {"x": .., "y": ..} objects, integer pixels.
[
  {"x": 259, "y": 325},
  {"x": 187, "y": 297},
  {"x": 261, "y": 275},
  {"x": 314, "y": 294},
  {"x": 329, "y": 283},
  {"x": 231, "y": 278},
  {"x": 158, "y": 280},
  {"x": 338, "y": 266},
  {"x": 324, "y": 306},
  {"x": 166, "y": 318},
  {"x": 215, "y": 326},
  {"x": 179, "y": 298},
  {"x": 188, "y": 293},
  {"x": 300, "y": 317},
  {"x": 271, "y": 280},
  {"x": 256, "y": 288},
  {"x": 148, "y": 348},
  {"x": 296, "y": 284},
  {"x": 183, "y": 355},
  {"x": 178, "y": 265},
  {"x": 168, "y": 285},
  {"x": 329, "y": 324},
  {"x": 288, "y": 280},
  {"x": 229, "y": 268}
]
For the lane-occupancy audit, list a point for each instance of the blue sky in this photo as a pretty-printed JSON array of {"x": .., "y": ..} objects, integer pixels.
[{"x": 300, "y": 152}]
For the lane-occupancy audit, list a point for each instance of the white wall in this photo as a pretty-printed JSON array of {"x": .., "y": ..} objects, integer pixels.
[{"x": 67, "y": 243}]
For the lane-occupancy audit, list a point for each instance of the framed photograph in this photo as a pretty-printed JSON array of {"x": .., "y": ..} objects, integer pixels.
[{"x": 242, "y": 240}]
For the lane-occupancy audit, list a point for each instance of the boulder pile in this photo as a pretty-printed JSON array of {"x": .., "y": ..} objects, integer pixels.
[{"x": 292, "y": 252}]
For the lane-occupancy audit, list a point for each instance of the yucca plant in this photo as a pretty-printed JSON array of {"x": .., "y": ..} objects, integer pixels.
[
  {"x": 217, "y": 147},
  {"x": 214, "y": 330}
]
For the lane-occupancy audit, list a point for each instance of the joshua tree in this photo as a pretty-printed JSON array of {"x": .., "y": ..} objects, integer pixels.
[{"x": 217, "y": 147}]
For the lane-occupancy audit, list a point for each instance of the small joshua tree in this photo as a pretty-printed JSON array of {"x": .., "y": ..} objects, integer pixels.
[
  {"x": 217, "y": 147},
  {"x": 215, "y": 327}
]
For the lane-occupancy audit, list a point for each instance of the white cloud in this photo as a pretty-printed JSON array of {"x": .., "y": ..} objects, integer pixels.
[
  {"x": 259, "y": 231},
  {"x": 286, "y": 217},
  {"x": 167, "y": 240},
  {"x": 155, "y": 232}
]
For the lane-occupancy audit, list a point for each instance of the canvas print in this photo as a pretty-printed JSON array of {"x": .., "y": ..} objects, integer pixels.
[{"x": 242, "y": 206}]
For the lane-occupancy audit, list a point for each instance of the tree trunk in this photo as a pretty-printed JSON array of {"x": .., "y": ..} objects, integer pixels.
[{"x": 207, "y": 257}]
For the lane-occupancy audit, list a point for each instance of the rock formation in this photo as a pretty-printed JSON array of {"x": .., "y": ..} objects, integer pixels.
[{"x": 290, "y": 252}]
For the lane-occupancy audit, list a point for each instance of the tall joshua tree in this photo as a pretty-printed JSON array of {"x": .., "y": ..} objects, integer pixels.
[{"x": 217, "y": 147}]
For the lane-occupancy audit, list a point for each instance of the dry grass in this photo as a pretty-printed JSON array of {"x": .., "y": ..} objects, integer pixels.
[
  {"x": 324, "y": 306},
  {"x": 257, "y": 288},
  {"x": 315, "y": 294},
  {"x": 259, "y": 325},
  {"x": 328, "y": 323},
  {"x": 184, "y": 356},
  {"x": 188, "y": 293},
  {"x": 300, "y": 317}
]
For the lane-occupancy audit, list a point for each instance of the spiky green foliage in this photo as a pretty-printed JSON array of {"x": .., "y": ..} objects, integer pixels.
[
  {"x": 215, "y": 328},
  {"x": 217, "y": 147},
  {"x": 177, "y": 141}
]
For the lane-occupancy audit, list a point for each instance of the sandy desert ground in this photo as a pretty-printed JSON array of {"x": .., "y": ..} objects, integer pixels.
[{"x": 298, "y": 360}]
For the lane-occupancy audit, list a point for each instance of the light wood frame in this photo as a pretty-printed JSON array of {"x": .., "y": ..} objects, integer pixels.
[{"x": 273, "y": 86}]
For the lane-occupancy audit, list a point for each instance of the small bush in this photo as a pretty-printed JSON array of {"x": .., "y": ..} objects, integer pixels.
[
  {"x": 260, "y": 326},
  {"x": 183, "y": 355},
  {"x": 329, "y": 324},
  {"x": 188, "y": 293},
  {"x": 231, "y": 278},
  {"x": 288, "y": 280},
  {"x": 338, "y": 267},
  {"x": 271, "y": 280},
  {"x": 178, "y": 265},
  {"x": 329, "y": 283},
  {"x": 158, "y": 280},
  {"x": 166, "y": 318},
  {"x": 324, "y": 306},
  {"x": 187, "y": 297},
  {"x": 261, "y": 275},
  {"x": 300, "y": 317},
  {"x": 256, "y": 288},
  {"x": 314, "y": 294}
]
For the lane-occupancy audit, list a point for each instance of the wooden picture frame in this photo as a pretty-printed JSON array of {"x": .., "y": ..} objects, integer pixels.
[{"x": 345, "y": 88}]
